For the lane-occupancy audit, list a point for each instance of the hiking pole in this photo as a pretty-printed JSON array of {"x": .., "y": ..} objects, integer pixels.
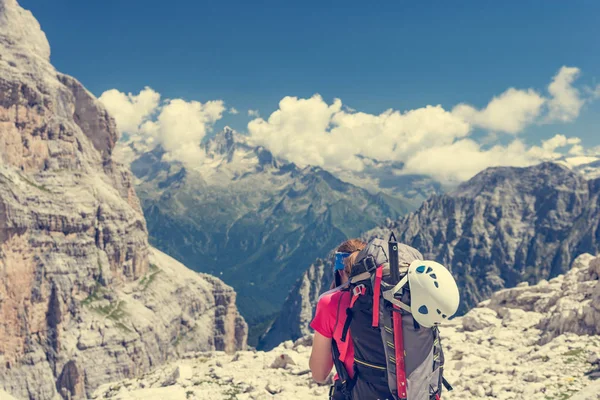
[{"x": 393, "y": 254}]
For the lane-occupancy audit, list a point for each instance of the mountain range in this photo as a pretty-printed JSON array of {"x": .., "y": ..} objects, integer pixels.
[
  {"x": 504, "y": 226},
  {"x": 250, "y": 218}
]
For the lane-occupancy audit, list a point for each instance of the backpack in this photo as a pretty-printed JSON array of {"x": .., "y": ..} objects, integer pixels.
[{"x": 394, "y": 357}]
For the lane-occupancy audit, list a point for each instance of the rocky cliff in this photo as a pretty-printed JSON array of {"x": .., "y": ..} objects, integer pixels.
[
  {"x": 525, "y": 343},
  {"x": 83, "y": 298},
  {"x": 504, "y": 226},
  {"x": 507, "y": 225}
]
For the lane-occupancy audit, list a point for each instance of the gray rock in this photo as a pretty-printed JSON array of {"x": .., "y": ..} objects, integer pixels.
[
  {"x": 273, "y": 389},
  {"x": 172, "y": 378},
  {"x": 282, "y": 361},
  {"x": 480, "y": 318}
]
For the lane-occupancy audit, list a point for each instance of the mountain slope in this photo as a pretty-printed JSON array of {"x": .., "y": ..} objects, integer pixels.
[
  {"x": 83, "y": 298},
  {"x": 508, "y": 225},
  {"x": 387, "y": 177},
  {"x": 504, "y": 226},
  {"x": 250, "y": 218}
]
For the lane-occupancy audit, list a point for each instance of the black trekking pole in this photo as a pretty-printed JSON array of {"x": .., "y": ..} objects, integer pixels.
[{"x": 393, "y": 254}]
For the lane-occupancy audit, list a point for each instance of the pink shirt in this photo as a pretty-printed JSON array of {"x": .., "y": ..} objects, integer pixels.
[{"x": 329, "y": 320}]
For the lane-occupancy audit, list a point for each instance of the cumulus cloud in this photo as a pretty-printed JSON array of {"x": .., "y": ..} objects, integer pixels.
[
  {"x": 312, "y": 132},
  {"x": 510, "y": 112},
  {"x": 428, "y": 140},
  {"x": 464, "y": 158},
  {"x": 129, "y": 110},
  {"x": 178, "y": 125},
  {"x": 566, "y": 101}
]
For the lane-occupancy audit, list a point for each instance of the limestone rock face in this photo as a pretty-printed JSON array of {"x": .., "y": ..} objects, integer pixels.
[{"x": 83, "y": 297}]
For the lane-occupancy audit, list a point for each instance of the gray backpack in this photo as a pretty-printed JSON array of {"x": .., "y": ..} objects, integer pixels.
[{"x": 394, "y": 357}]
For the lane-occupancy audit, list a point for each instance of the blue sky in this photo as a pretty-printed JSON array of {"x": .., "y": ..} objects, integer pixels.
[{"x": 372, "y": 55}]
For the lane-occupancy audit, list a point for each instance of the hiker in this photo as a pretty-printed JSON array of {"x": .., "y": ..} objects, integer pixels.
[
  {"x": 395, "y": 302},
  {"x": 329, "y": 320}
]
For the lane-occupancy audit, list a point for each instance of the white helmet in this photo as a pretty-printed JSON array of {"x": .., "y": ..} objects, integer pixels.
[{"x": 434, "y": 294}]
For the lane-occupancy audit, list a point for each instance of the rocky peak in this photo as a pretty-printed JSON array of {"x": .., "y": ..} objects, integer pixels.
[
  {"x": 31, "y": 90},
  {"x": 507, "y": 225},
  {"x": 21, "y": 33},
  {"x": 520, "y": 181},
  {"x": 226, "y": 142}
]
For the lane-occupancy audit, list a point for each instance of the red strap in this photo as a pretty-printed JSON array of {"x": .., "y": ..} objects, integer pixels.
[
  {"x": 376, "y": 291},
  {"x": 399, "y": 345},
  {"x": 437, "y": 397}
]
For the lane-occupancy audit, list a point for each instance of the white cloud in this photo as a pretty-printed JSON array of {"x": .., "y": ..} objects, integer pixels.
[
  {"x": 464, "y": 158},
  {"x": 510, "y": 112},
  {"x": 514, "y": 110},
  {"x": 178, "y": 125},
  {"x": 429, "y": 140},
  {"x": 129, "y": 110},
  {"x": 309, "y": 131},
  {"x": 566, "y": 101}
]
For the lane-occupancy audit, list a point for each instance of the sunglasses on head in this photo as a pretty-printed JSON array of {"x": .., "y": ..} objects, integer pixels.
[{"x": 339, "y": 260}]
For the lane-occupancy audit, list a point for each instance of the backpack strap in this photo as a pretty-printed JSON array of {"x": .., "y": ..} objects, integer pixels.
[
  {"x": 376, "y": 293},
  {"x": 399, "y": 352},
  {"x": 357, "y": 291},
  {"x": 346, "y": 383},
  {"x": 447, "y": 384}
]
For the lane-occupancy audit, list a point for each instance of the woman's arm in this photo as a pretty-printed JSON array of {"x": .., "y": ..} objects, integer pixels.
[{"x": 321, "y": 360}]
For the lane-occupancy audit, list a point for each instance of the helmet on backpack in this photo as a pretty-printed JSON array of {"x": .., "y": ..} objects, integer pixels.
[{"x": 433, "y": 291}]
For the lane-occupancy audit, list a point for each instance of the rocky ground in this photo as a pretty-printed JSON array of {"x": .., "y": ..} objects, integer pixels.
[{"x": 529, "y": 342}]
